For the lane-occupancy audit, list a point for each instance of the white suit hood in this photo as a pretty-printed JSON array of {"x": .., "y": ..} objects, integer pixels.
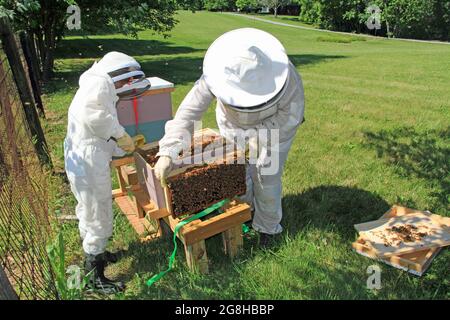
[{"x": 92, "y": 113}]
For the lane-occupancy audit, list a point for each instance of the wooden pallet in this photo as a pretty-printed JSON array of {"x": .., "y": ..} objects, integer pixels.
[
  {"x": 416, "y": 263},
  {"x": 152, "y": 222}
]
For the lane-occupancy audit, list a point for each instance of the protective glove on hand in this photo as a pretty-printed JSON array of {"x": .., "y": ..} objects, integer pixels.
[
  {"x": 163, "y": 168},
  {"x": 126, "y": 143}
]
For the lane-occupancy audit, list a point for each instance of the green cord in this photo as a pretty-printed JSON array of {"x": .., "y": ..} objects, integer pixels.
[
  {"x": 199, "y": 215},
  {"x": 245, "y": 228}
]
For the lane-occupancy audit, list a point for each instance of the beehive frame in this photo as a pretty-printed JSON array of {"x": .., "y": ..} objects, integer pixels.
[{"x": 151, "y": 185}]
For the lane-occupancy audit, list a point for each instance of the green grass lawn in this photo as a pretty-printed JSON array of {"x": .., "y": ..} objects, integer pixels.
[
  {"x": 295, "y": 20},
  {"x": 376, "y": 134}
]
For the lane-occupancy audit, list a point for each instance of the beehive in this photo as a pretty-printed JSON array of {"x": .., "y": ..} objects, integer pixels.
[
  {"x": 193, "y": 187},
  {"x": 154, "y": 109}
]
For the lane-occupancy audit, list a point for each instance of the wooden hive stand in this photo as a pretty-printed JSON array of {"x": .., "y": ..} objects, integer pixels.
[{"x": 152, "y": 223}]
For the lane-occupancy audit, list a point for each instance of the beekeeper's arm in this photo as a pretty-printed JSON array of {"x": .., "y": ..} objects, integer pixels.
[
  {"x": 179, "y": 130},
  {"x": 191, "y": 109},
  {"x": 100, "y": 120},
  {"x": 289, "y": 115}
]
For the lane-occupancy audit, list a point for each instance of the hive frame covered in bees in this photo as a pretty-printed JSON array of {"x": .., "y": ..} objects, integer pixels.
[{"x": 214, "y": 154}]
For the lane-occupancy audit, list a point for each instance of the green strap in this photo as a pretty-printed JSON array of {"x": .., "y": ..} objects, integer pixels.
[
  {"x": 245, "y": 228},
  {"x": 199, "y": 215}
]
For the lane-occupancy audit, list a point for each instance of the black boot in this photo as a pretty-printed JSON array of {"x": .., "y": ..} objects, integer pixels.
[
  {"x": 113, "y": 257},
  {"x": 97, "y": 280},
  {"x": 266, "y": 241}
]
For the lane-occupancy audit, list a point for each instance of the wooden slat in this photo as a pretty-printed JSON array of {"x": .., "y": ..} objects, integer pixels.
[
  {"x": 215, "y": 225},
  {"x": 122, "y": 161},
  {"x": 118, "y": 193},
  {"x": 158, "y": 91},
  {"x": 129, "y": 174},
  {"x": 128, "y": 208},
  {"x": 122, "y": 183},
  {"x": 196, "y": 257},
  {"x": 232, "y": 241},
  {"x": 148, "y": 206}
]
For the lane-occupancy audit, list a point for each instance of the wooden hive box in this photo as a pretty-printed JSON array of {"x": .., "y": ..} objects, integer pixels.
[
  {"x": 416, "y": 262},
  {"x": 200, "y": 181},
  {"x": 154, "y": 109}
]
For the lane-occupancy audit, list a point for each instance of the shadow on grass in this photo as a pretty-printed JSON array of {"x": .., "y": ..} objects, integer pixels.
[
  {"x": 95, "y": 48},
  {"x": 152, "y": 257},
  {"x": 309, "y": 59},
  {"x": 331, "y": 208},
  {"x": 179, "y": 70},
  {"x": 424, "y": 155}
]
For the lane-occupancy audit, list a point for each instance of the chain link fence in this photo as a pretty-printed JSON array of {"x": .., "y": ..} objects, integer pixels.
[{"x": 24, "y": 223}]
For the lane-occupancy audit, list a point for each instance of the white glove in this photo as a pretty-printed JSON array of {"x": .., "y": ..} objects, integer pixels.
[
  {"x": 163, "y": 168},
  {"x": 126, "y": 143}
]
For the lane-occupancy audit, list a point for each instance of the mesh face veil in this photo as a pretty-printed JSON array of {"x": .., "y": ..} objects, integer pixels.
[
  {"x": 133, "y": 89},
  {"x": 121, "y": 67}
]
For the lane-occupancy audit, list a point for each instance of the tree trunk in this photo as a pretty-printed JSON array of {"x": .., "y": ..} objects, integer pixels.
[
  {"x": 48, "y": 64},
  {"x": 48, "y": 32},
  {"x": 275, "y": 12},
  {"x": 49, "y": 57}
]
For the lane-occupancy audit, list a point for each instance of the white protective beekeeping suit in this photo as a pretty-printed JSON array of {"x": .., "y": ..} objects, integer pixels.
[
  {"x": 89, "y": 147},
  {"x": 284, "y": 111}
]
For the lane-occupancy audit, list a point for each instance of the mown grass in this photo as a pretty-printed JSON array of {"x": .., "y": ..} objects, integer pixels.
[{"x": 376, "y": 134}]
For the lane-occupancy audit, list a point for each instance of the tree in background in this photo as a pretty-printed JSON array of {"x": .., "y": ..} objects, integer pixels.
[
  {"x": 420, "y": 19},
  {"x": 310, "y": 11},
  {"x": 343, "y": 15},
  {"x": 219, "y": 5},
  {"x": 442, "y": 21},
  {"x": 247, "y": 5},
  {"x": 274, "y": 4},
  {"x": 46, "y": 19}
]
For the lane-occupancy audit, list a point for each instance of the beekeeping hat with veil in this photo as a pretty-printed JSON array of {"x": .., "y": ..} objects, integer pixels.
[
  {"x": 120, "y": 66},
  {"x": 246, "y": 68}
]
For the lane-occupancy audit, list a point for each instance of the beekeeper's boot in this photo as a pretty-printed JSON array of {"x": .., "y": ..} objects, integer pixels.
[
  {"x": 266, "y": 241},
  {"x": 113, "y": 257},
  {"x": 97, "y": 280}
]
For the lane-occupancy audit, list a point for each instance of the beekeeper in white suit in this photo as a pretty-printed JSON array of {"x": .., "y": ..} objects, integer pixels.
[
  {"x": 94, "y": 135},
  {"x": 256, "y": 87}
]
